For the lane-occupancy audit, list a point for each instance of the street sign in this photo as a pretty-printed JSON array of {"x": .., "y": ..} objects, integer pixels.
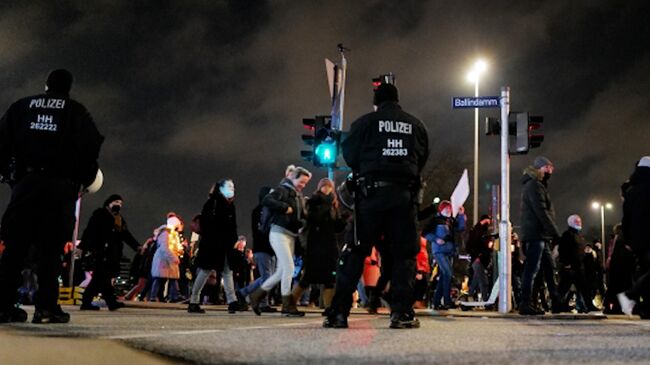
[{"x": 475, "y": 102}]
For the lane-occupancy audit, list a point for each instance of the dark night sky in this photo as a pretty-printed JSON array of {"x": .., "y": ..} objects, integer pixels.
[{"x": 189, "y": 92}]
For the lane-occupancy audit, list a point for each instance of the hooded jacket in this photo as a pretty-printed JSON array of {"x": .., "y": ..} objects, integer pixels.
[{"x": 537, "y": 214}]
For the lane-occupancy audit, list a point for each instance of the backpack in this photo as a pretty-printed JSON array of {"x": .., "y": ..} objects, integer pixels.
[{"x": 266, "y": 217}]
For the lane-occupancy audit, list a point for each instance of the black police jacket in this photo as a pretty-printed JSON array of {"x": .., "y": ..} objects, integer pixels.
[
  {"x": 50, "y": 133},
  {"x": 388, "y": 144}
]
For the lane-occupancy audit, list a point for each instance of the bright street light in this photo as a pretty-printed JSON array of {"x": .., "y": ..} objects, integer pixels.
[
  {"x": 473, "y": 76},
  {"x": 597, "y": 205}
]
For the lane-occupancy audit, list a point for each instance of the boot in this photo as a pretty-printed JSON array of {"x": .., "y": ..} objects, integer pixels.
[
  {"x": 296, "y": 294},
  {"x": 256, "y": 297},
  {"x": 335, "y": 320},
  {"x": 403, "y": 320},
  {"x": 194, "y": 308},
  {"x": 328, "y": 295},
  {"x": 56, "y": 315},
  {"x": 289, "y": 307}
]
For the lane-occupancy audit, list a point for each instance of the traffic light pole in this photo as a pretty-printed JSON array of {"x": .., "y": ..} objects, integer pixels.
[{"x": 505, "y": 274}]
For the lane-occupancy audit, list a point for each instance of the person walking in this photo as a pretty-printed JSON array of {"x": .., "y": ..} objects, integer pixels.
[
  {"x": 387, "y": 150},
  {"x": 442, "y": 237},
  {"x": 324, "y": 222},
  {"x": 165, "y": 264},
  {"x": 262, "y": 253},
  {"x": 49, "y": 146},
  {"x": 218, "y": 245},
  {"x": 538, "y": 229},
  {"x": 287, "y": 218},
  {"x": 636, "y": 215},
  {"x": 102, "y": 243}
]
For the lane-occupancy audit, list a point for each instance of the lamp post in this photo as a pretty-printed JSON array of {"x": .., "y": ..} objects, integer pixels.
[
  {"x": 473, "y": 76},
  {"x": 598, "y": 205}
]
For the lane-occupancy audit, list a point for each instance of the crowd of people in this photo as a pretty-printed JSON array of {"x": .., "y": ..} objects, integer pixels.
[{"x": 380, "y": 247}]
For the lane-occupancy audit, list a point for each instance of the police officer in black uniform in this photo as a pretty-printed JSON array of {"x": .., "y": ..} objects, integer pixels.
[
  {"x": 49, "y": 147},
  {"x": 387, "y": 150}
]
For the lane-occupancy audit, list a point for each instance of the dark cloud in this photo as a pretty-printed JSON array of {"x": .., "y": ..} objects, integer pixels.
[{"x": 187, "y": 93}]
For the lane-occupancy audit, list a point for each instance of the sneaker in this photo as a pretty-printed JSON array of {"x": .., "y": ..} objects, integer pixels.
[
  {"x": 335, "y": 320},
  {"x": 233, "y": 307},
  {"x": 403, "y": 320},
  {"x": 57, "y": 315},
  {"x": 89, "y": 307},
  {"x": 14, "y": 314},
  {"x": 195, "y": 308},
  {"x": 627, "y": 304}
]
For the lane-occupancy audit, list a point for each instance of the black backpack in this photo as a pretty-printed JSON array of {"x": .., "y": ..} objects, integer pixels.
[{"x": 266, "y": 217}]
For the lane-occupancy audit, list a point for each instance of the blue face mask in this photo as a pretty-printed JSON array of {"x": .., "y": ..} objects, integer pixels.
[{"x": 227, "y": 190}]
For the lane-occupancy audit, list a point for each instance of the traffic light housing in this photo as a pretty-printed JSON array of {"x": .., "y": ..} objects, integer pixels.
[
  {"x": 525, "y": 137},
  {"x": 324, "y": 141}
]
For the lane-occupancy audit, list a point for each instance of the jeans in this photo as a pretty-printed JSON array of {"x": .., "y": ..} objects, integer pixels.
[
  {"x": 283, "y": 246},
  {"x": 172, "y": 288},
  {"x": 479, "y": 280},
  {"x": 265, "y": 265},
  {"x": 538, "y": 253},
  {"x": 202, "y": 276},
  {"x": 228, "y": 283},
  {"x": 443, "y": 289}
]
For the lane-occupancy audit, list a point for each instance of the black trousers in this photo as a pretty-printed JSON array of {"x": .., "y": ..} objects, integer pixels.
[
  {"x": 101, "y": 282},
  {"x": 40, "y": 216},
  {"x": 575, "y": 276},
  {"x": 385, "y": 219}
]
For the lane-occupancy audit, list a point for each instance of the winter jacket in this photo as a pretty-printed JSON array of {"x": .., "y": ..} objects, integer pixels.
[
  {"x": 422, "y": 259},
  {"x": 442, "y": 236},
  {"x": 322, "y": 253},
  {"x": 103, "y": 241},
  {"x": 218, "y": 234},
  {"x": 260, "y": 238},
  {"x": 571, "y": 249},
  {"x": 165, "y": 262},
  {"x": 636, "y": 210},
  {"x": 537, "y": 214},
  {"x": 283, "y": 197},
  {"x": 478, "y": 244}
]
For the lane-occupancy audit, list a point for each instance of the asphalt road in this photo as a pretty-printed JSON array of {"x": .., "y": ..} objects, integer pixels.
[{"x": 217, "y": 337}]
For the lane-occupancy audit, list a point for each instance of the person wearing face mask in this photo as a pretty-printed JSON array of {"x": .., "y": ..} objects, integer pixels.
[
  {"x": 441, "y": 235},
  {"x": 287, "y": 207},
  {"x": 538, "y": 229},
  {"x": 102, "y": 242},
  {"x": 571, "y": 248},
  {"x": 218, "y": 245},
  {"x": 323, "y": 223}
]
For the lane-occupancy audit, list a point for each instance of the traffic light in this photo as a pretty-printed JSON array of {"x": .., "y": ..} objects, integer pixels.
[
  {"x": 308, "y": 139},
  {"x": 525, "y": 140},
  {"x": 323, "y": 139},
  {"x": 326, "y": 142}
]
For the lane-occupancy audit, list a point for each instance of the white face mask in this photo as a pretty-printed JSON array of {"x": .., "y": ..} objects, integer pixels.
[
  {"x": 446, "y": 213},
  {"x": 228, "y": 190}
]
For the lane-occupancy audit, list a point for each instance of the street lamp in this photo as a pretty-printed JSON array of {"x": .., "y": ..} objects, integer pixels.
[
  {"x": 473, "y": 76},
  {"x": 598, "y": 205}
]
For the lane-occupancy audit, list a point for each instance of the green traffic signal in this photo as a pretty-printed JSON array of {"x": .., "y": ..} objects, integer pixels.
[{"x": 325, "y": 153}]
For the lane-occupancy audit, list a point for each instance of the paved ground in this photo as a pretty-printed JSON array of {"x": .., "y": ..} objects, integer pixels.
[{"x": 221, "y": 338}]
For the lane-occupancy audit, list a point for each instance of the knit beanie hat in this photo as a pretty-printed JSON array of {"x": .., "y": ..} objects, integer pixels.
[
  {"x": 385, "y": 92},
  {"x": 541, "y": 161},
  {"x": 111, "y": 199}
]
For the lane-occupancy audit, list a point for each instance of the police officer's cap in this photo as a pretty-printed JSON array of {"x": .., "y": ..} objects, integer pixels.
[
  {"x": 59, "y": 81},
  {"x": 385, "y": 92}
]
